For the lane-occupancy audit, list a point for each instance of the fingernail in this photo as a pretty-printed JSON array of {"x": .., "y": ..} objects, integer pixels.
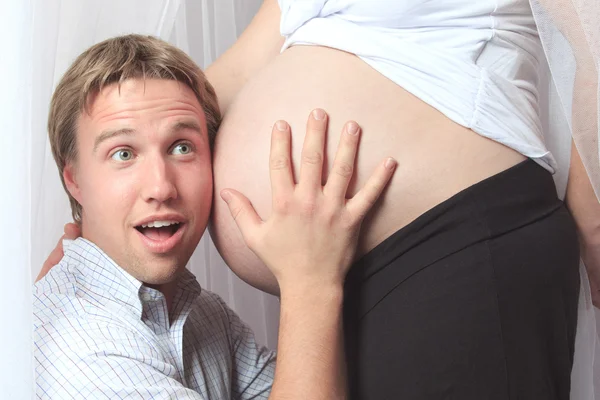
[
  {"x": 318, "y": 114},
  {"x": 281, "y": 125},
  {"x": 352, "y": 128},
  {"x": 226, "y": 195},
  {"x": 390, "y": 163}
]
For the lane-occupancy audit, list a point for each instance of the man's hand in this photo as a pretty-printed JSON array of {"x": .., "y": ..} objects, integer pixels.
[
  {"x": 72, "y": 232},
  {"x": 312, "y": 233},
  {"x": 309, "y": 242}
]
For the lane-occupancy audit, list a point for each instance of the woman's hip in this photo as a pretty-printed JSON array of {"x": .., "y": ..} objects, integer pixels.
[{"x": 475, "y": 299}]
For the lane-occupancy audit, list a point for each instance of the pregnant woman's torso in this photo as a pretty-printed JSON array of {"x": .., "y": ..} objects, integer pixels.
[{"x": 437, "y": 157}]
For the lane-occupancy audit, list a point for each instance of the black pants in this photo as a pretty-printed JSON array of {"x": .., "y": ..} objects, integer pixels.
[{"x": 474, "y": 300}]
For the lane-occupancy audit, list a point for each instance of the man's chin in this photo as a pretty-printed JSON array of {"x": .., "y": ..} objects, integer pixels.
[
  {"x": 156, "y": 274},
  {"x": 159, "y": 267}
]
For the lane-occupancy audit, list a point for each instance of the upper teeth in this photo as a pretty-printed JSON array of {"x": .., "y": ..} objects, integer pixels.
[{"x": 158, "y": 224}]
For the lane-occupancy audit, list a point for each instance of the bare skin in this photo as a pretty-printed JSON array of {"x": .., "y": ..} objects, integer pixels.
[
  {"x": 257, "y": 85},
  {"x": 439, "y": 158}
]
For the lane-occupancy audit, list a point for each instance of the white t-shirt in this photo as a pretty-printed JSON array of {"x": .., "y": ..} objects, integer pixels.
[{"x": 477, "y": 62}]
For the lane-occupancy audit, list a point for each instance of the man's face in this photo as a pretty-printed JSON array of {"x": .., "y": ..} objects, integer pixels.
[{"x": 143, "y": 176}]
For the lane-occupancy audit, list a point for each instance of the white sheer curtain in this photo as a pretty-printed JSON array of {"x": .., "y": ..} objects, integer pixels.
[
  {"x": 16, "y": 368},
  {"x": 40, "y": 38},
  {"x": 570, "y": 33}
]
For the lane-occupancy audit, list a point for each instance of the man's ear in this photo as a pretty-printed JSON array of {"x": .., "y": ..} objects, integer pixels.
[{"x": 70, "y": 177}]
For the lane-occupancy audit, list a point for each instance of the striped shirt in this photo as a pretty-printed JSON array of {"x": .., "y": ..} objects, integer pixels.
[{"x": 101, "y": 334}]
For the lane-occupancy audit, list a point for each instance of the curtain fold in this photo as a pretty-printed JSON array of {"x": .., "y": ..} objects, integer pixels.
[
  {"x": 16, "y": 370},
  {"x": 570, "y": 34}
]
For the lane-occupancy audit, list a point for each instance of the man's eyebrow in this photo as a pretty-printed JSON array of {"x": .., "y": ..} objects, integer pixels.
[
  {"x": 187, "y": 125},
  {"x": 177, "y": 127},
  {"x": 110, "y": 134}
]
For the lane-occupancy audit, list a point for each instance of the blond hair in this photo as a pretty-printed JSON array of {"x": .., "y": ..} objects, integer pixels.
[{"x": 115, "y": 61}]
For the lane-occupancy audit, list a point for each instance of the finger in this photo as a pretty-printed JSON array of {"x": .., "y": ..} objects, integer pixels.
[
  {"x": 282, "y": 180},
  {"x": 343, "y": 164},
  {"x": 72, "y": 231},
  {"x": 311, "y": 166},
  {"x": 364, "y": 200},
  {"x": 244, "y": 215},
  {"x": 54, "y": 258}
]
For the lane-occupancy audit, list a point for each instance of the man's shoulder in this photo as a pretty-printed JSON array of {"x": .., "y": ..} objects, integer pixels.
[
  {"x": 64, "y": 293},
  {"x": 218, "y": 331},
  {"x": 213, "y": 318},
  {"x": 68, "y": 311},
  {"x": 212, "y": 321},
  {"x": 210, "y": 308},
  {"x": 209, "y": 300},
  {"x": 58, "y": 294}
]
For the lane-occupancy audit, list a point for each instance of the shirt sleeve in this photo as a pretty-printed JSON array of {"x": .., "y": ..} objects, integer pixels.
[
  {"x": 80, "y": 359},
  {"x": 253, "y": 365}
]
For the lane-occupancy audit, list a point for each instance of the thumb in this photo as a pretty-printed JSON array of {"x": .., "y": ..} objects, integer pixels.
[
  {"x": 243, "y": 213},
  {"x": 72, "y": 231}
]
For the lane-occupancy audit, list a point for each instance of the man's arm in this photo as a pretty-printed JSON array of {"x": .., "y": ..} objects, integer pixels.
[
  {"x": 310, "y": 364},
  {"x": 309, "y": 243},
  {"x": 311, "y": 355},
  {"x": 255, "y": 47}
]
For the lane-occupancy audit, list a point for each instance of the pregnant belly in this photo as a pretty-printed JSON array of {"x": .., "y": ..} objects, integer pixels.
[{"x": 437, "y": 158}]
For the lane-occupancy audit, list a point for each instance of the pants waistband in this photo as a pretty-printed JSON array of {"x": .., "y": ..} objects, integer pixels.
[{"x": 511, "y": 199}]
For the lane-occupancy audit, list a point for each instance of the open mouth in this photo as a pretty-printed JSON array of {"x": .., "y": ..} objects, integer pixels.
[{"x": 159, "y": 230}]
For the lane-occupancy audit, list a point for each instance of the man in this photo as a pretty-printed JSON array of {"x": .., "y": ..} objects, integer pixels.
[{"x": 131, "y": 126}]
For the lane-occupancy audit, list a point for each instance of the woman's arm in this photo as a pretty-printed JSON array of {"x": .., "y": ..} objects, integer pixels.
[
  {"x": 580, "y": 198},
  {"x": 257, "y": 45},
  {"x": 585, "y": 208}
]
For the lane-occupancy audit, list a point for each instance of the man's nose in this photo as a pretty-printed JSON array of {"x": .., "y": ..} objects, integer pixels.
[{"x": 160, "y": 181}]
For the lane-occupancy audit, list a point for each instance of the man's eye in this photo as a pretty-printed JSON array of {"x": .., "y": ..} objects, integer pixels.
[
  {"x": 122, "y": 155},
  {"x": 182, "y": 148}
]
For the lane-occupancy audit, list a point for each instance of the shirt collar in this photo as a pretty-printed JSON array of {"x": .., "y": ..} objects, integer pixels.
[{"x": 106, "y": 275}]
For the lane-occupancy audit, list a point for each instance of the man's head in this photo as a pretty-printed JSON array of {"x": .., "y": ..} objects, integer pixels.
[{"x": 131, "y": 125}]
